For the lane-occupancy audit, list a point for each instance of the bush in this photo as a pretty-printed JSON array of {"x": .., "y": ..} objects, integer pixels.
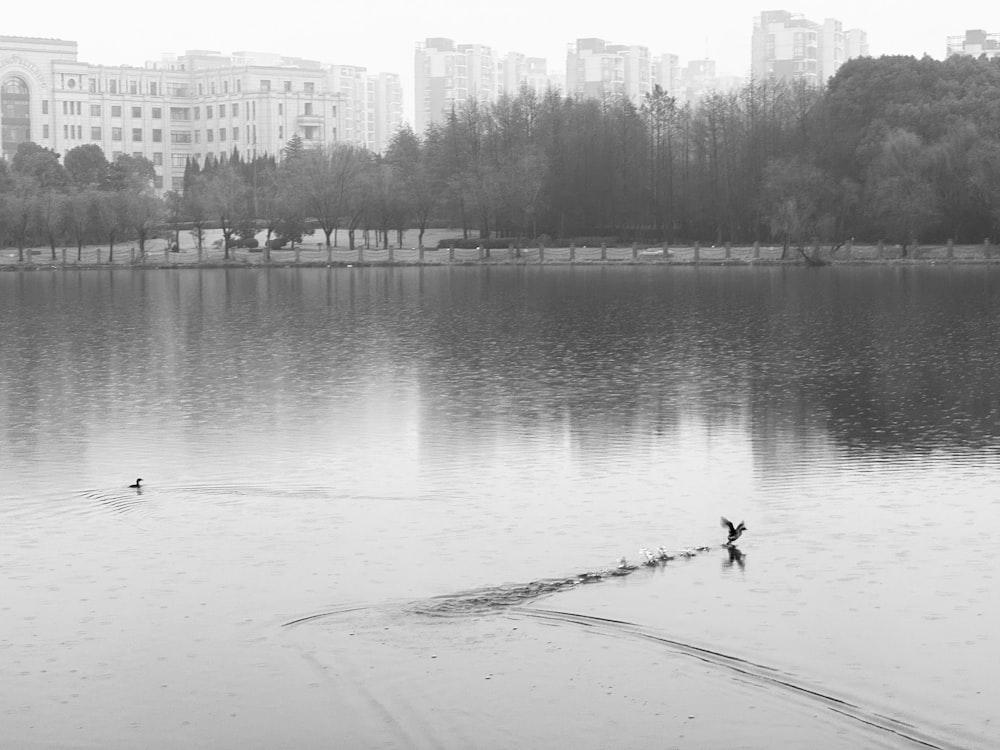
[{"x": 276, "y": 244}]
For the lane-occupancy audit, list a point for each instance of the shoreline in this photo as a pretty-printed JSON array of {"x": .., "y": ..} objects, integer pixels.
[{"x": 91, "y": 260}]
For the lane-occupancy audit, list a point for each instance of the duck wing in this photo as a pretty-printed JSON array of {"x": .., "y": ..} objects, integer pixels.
[{"x": 727, "y": 524}]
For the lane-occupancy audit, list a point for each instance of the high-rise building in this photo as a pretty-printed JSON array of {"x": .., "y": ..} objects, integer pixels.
[
  {"x": 185, "y": 106},
  {"x": 975, "y": 42},
  {"x": 596, "y": 69},
  {"x": 447, "y": 74},
  {"x": 790, "y": 47}
]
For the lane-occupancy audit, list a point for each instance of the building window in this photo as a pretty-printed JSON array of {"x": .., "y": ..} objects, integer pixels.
[
  {"x": 239, "y": 87},
  {"x": 95, "y": 134},
  {"x": 208, "y": 112},
  {"x": 45, "y": 106},
  {"x": 157, "y": 135},
  {"x": 137, "y": 154},
  {"x": 136, "y": 134},
  {"x": 222, "y": 134},
  {"x": 95, "y": 110},
  {"x": 136, "y": 111},
  {"x": 197, "y": 136},
  {"x": 116, "y": 134},
  {"x": 158, "y": 158},
  {"x": 281, "y": 109},
  {"x": 288, "y": 85},
  {"x": 157, "y": 113},
  {"x": 222, "y": 110},
  {"x": 45, "y": 132},
  {"x": 225, "y": 87},
  {"x": 177, "y": 160},
  {"x": 211, "y": 87},
  {"x": 180, "y": 113},
  {"x": 157, "y": 181},
  {"x": 209, "y": 136},
  {"x": 133, "y": 87},
  {"x": 113, "y": 86},
  {"x": 197, "y": 113},
  {"x": 309, "y": 108},
  {"x": 200, "y": 91},
  {"x": 65, "y": 108},
  {"x": 281, "y": 132},
  {"x": 236, "y": 134},
  {"x": 92, "y": 85},
  {"x": 236, "y": 110},
  {"x": 309, "y": 87},
  {"x": 116, "y": 110},
  {"x": 180, "y": 136},
  {"x": 265, "y": 85},
  {"x": 152, "y": 88}
]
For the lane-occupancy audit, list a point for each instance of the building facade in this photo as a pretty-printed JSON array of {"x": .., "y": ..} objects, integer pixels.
[
  {"x": 790, "y": 47},
  {"x": 187, "y": 106},
  {"x": 447, "y": 74},
  {"x": 975, "y": 42}
]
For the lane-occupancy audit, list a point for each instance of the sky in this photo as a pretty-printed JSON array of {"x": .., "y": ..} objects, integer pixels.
[{"x": 382, "y": 35}]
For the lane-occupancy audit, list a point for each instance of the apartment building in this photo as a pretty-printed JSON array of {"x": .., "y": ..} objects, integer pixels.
[
  {"x": 596, "y": 69},
  {"x": 447, "y": 74},
  {"x": 187, "y": 106},
  {"x": 975, "y": 42},
  {"x": 790, "y": 47}
]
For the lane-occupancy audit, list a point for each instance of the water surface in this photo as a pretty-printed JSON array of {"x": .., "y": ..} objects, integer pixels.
[{"x": 353, "y": 442}]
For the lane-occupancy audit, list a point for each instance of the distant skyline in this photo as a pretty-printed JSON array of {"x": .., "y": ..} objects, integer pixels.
[{"x": 125, "y": 33}]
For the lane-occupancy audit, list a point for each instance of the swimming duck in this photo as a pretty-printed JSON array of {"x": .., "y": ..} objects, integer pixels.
[
  {"x": 136, "y": 485},
  {"x": 735, "y": 532}
]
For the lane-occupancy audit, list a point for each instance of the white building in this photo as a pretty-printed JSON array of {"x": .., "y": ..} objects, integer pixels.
[
  {"x": 187, "y": 106},
  {"x": 790, "y": 47},
  {"x": 974, "y": 43}
]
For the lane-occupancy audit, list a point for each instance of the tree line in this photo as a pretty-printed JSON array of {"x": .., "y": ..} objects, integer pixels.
[{"x": 894, "y": 148}]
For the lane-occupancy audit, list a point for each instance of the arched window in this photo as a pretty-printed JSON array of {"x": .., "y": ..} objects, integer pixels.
[{"x": 15, "y": 119}]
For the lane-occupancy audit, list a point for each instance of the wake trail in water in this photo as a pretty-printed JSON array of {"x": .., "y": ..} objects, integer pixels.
[
  {"x": 516, "y": 601},
  {"x": 758, "y": 674}
]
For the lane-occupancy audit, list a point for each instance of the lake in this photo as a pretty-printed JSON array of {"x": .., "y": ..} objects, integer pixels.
[{"x": 382, "y": 507}]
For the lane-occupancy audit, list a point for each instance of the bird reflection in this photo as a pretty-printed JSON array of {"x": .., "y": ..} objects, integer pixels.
[{"x": 735, "y": 557}]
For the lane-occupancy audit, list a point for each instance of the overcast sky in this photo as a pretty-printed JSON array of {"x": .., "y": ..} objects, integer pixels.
[{"x": 381, "y": 34}]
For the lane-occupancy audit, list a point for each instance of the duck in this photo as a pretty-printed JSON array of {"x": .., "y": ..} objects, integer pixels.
[
  {"x": 136, "y": 485},
  {"x": 735, "y": 532}
]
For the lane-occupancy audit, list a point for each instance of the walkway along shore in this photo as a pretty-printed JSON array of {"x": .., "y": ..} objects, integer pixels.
[{"x": 314, "y": 255}]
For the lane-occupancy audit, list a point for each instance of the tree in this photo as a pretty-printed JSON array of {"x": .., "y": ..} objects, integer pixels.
[
  {"x": 229, "y": 199},
  {"x": 901, "y": 200},
  {"x": 86, "y": 166}
]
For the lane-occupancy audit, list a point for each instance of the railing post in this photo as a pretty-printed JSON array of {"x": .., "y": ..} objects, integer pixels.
[
  {"x": 298, "y": 255},
  {"x": 420, "y": 254},
  {"x": 666, "y": 251},
  {"x": 604, "y": 251},
  {"x": 451, "y": 252},
  {"x": 98, "y": 256},
  {"x": 987, "y": 250},
  {"x": 881, "y": 249},
  {"x": 729, "y": 251},
  {"x": 756, "y": 250},
  {"x": 392, "y": 254},
  {"x": 849, "y": 249},
  {"x": 950, "y": 252},
  {"x": 64, "y": 256},
  {"x": 697, "y": 252},
  {"x": 541, "y": 253},
  {"x": 572, "y": 252},
  {"x": 329, "y": 254},
  {"x": 635, "y": 253},
  {"x": 361, "y": 253}
]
